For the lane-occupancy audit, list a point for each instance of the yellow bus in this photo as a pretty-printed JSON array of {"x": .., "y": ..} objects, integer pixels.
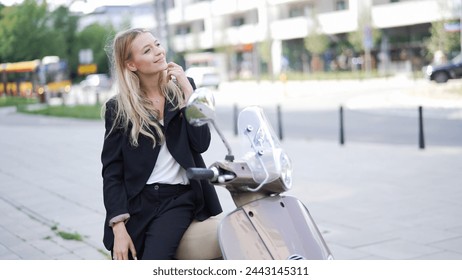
[{"x": 35, "y": 78}]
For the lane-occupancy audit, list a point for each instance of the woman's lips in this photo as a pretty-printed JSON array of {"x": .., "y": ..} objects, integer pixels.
[{"x": 160, "y": 60}]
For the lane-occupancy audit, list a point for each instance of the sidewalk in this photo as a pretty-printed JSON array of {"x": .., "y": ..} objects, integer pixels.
[{"x": 370, "y": 201}]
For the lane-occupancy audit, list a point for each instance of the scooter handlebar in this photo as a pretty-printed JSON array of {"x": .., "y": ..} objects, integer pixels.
[{"x": 200, "y": 173}]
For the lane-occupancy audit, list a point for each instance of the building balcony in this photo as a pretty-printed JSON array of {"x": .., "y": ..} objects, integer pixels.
[
  {"x": 407, "y": 13},
  {"x": 189, "y": 42}
]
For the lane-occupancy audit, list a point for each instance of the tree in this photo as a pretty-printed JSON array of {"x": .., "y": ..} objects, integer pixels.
[
  {"x": 96, "y": 37},
  {"x": 316, "y": 43},
  {"x": 441, "y": 40},
  {"x": 366, "y": 36},
  {"x": 356, "y": 38},
  {"x": 25, "y": 33},
  {"x": 64, "y": 26}
]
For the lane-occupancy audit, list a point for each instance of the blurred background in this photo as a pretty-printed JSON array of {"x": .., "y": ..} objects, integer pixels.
[
  {"x": 356, "y": 89},
  {"x": 47, "y": 46}
]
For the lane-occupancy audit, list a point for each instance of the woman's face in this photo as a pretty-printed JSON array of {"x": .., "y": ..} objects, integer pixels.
[{"x": 148, "y": 56}]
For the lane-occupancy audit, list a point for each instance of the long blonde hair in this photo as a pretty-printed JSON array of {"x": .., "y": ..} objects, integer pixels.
[{"x": 133, "y": 106}]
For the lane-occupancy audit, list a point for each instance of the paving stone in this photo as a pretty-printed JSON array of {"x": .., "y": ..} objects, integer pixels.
[
  {"x": 28, "y": 252},
  {"x": 453, "y": 244},
  {"x": 426, "y": 235},
  {"x": 398, "y": 250},
  {"x": 442, "y": 255}
]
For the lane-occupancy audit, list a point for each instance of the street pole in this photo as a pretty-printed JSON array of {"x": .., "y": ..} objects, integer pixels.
[
  {"x": 160, "y": 10},
  {"x": 460, "y": 25}
]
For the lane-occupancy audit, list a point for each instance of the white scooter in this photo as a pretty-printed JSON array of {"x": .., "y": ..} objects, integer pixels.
[{"x": 265, "y": 224}]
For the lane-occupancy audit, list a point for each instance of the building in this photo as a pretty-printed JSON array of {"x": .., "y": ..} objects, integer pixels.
[{"x": 258, "y": 36}]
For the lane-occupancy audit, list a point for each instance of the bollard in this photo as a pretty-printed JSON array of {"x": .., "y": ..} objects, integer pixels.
[
  {"x": 421, "y": 130},
  {"x": 235, "y": 116},
  {"x": 97, "y": 97},
  {"x": 342, "y": 133},
  {"x": 279, "y": 121}
]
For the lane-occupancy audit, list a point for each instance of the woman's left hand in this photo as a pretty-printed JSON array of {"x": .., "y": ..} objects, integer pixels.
[{"x": 175, "y": 70}]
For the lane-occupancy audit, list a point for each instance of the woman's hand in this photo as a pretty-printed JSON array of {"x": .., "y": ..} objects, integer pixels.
[
  {"x": 175, "y": 70},
  {"x": 122, "y": 243}
]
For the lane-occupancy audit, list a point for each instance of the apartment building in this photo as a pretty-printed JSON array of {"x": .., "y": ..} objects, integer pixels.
[{"x": 256, "y": 36}]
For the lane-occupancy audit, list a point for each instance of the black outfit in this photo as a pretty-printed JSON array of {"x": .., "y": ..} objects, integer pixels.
[{"x": 154, "y": 208}]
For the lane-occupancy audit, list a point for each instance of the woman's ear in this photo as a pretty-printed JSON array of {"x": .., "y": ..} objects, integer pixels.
[{"x": 131, "y": 66}]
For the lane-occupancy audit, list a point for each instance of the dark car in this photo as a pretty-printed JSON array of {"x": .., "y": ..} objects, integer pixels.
[{"x": 443, "y": 72}]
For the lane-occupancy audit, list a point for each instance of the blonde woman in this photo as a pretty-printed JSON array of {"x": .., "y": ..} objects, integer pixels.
[{"x": 148, "y": 145}]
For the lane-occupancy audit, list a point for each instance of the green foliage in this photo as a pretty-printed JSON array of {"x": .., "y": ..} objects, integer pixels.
[
  {"x": 65, "y": 28},
  {"x": 28, "y": 31},
  {"x": 66, "y": 235},
  {"x": 265, "y": 51},
  {"x": 69, "y": 236},
  {"x": 31, "y": 31},
  {"x": 356, "y": 38},
  {"x": 24, "y": 31},
  {"x": 91, "y": 112},
  {"x": 97, "y": 37},
  {"x": 447, "y": 42},
  {"x": 317, "y": 43},
  {"x": 16, "y": 101}
]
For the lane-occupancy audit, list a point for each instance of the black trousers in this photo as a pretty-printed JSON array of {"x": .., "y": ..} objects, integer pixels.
[{"x": 166, "y": 213}]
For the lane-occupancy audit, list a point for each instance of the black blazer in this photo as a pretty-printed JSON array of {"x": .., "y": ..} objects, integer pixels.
[{"x": 126, "y": 169}]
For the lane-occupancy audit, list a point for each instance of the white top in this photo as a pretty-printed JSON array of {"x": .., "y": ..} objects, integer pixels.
[{"x": 167, "y": 170}]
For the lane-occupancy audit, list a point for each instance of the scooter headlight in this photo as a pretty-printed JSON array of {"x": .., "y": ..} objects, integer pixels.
[{"x": 286, "y": 170}]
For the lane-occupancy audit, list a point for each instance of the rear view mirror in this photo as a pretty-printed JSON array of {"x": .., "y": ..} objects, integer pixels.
[
  {"x": 200, "y": 110},
  {"x": 201, "y": 107}
]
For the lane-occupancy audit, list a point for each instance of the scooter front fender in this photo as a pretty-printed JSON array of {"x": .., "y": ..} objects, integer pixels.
[{"x": 275, "y": 227}]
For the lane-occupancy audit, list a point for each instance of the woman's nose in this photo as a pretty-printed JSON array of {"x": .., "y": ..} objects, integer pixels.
[{"x": 158, "y": 51}]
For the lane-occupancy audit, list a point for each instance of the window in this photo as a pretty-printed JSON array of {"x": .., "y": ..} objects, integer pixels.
[
  {"x": 237, "y": 21},
  {"x": 198, "y": 26},
  {"x": 297, "y": 11},
  {"x": 341, "y": 5},
  {"x": 183, "y": 29}
]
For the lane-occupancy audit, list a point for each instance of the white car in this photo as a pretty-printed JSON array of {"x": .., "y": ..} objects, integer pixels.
[
  {"x": 204, "y": 76},
  {"x": 97, "y": 81}
]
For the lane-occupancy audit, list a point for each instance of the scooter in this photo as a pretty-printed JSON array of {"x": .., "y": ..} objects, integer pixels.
[{"x": 266, "y": 224}]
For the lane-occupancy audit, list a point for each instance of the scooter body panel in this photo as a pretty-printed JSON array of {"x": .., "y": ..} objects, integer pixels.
[{"x": 275, "y": 227}]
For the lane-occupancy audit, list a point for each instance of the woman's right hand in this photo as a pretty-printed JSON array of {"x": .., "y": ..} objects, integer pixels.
[{"x": 122, "y": 243}]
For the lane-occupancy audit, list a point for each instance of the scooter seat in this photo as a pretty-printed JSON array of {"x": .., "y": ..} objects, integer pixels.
[{"x": 200, "y": 241}]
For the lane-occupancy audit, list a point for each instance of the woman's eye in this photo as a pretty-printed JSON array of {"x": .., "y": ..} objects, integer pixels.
[{"x": 147, "y": 50}]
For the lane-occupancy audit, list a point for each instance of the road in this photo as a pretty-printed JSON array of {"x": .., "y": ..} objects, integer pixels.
[
  {"x": 374, "y": 111},
  {"x": 381, "y": 111}
]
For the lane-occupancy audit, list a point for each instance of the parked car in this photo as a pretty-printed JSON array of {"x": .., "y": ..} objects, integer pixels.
[
  {"x": 97, "y": 81},
  {"x": 443, "y": 72},
  {"x": 204, "y": 76}
]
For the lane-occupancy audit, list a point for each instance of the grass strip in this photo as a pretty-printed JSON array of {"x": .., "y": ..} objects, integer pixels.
[{"x": 91, "y": 112}]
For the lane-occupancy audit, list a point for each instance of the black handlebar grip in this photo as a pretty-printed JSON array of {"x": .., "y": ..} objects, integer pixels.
[{"x": 200, "y": 173}]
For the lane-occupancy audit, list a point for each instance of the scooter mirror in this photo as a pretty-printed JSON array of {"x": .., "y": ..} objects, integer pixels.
[{"x": 200, "y": 108}]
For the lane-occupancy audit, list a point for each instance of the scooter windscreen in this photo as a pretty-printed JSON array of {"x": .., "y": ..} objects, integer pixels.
[{"x": 262, "y": 149}]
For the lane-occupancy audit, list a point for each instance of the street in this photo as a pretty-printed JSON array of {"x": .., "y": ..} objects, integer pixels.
[
  {"x": 376, "y": 111},
  {"x": 381, "y": 111}
]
